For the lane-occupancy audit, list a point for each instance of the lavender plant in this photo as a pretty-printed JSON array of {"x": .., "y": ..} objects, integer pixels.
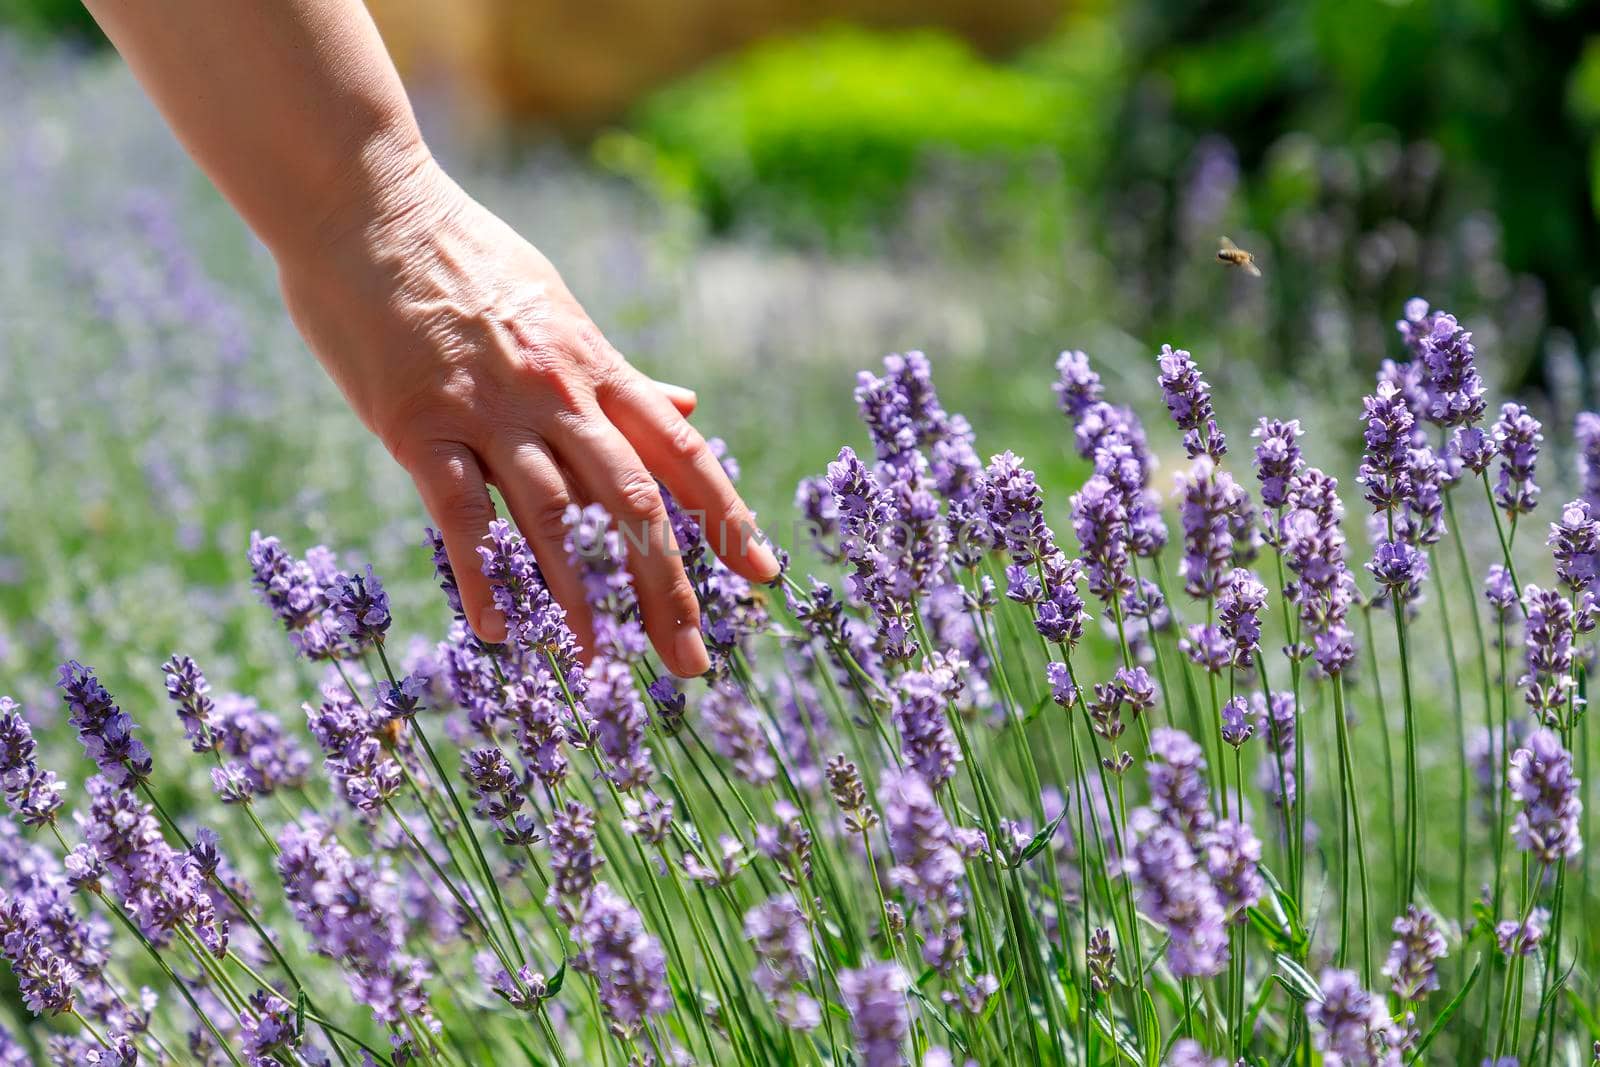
[{"x": 975, "y": 791}]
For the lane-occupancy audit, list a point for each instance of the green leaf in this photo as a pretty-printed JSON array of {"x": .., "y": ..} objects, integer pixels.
[
  {"x": 1296, "y": 980},
  {"x": 1449, "y": 1010},
  {"x": 1041, "y": 839},
  {"x": 300, "y": 1012},
  {"x": 1116, "y": 1036},
  {"x": 1585, "y": 1013},
  {"x": 1038, "y": 707},
  {"x": 553, "y": 986},
  {"x": 527, "y": 1050}
]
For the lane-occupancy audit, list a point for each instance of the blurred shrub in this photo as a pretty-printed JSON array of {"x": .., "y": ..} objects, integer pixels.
[
  {"x": 53, "y": 17},
  {"x": 826, "y": 132}
]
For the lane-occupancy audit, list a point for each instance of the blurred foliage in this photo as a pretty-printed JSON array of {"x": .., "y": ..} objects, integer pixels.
[
  {"x": 1398, "y": 118},
  {"x": 828, "y": 130},
  {"x": 49, "y": 17}
]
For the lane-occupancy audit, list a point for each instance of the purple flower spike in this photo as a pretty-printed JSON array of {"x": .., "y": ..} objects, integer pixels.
[
  {"x": 929, "y": 866},
  {"x": 1236, "y": 725},
  {"x": 1399, "y": 568},
  {"x": 1575, "y": 544},
  {"x": 1414, "y": 955},
  {"x": 33, "y": 793},
  {"x": 1386, "y": 461},
  {"x": 1586, "y": 433},
  {"x": 1351, "y": 1026},
  {"x": 1542, "y": 782},
  {"x": 1452, "y": 389},
  {"x": 626, "y": 962},
  {"x": 105, "y": 730},
  {"x": 1239, "y": 610},
  {"x": 1176, "y": 891},
  {"x": 924, "y": 727},
  {"x": 1188, "y": 398},
  {"x": 875, "y": 997},
  {"x": 1518, "y": 437},
  {"x": 1077, "y": 386},
  {"x": 782, "y": 941},
  {"x": 1278, "y": 458},
  {"x": 361, "y": 608}
]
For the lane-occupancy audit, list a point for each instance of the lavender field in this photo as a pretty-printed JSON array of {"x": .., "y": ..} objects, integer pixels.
[{"x": 1152, "y": 705}]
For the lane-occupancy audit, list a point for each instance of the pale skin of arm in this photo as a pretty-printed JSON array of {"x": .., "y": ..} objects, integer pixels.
[{"x": 454, "y": 340}]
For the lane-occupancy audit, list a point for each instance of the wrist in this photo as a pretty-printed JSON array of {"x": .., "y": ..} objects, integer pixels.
[{"x": 388, "y": 184}]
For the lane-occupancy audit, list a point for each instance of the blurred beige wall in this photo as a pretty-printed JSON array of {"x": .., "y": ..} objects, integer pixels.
[{"x": 578, "y": 63}]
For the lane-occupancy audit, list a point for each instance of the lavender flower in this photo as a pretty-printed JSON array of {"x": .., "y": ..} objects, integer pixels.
[
  {"x": 844, "y": 784},
  {"x": 1077, "y": 386},
  {"x": 1400, "y": 569},
  {"x": 1351, "y": 1027},
  {"x": 1210, "y": 500},
  {"x": 349, "y": 907},
  {"x": 1275, "y": 720},
  {"x": 44, "y": 979},
  {"x": 929, "y": 869},
  {"x": 598, "y": 554},
  {"x": 1236, "y": 725},
  {"x": 1232, "y": 857},
  {"x": 33, "y": 793},
  {"x": 738, "y": 735},
  {"x": 782, "y": 941},
  {"x": 104, "y": 729},
  {"x": 627, "y": 964},
  {"x": 361, "y": 608},
  {"x": 1278, "y": 458},
  {"x": 1187, "y": 1052},
  {"x": 814, "y": 502},
  {"x": 1552, "y": 621},
  {"x": 875, "y": 997},
  {"x": 1575, "y": 544},
  {"x": 1188, "y": 398},
  {"x": 433, "y": 540},
  {"x": 1542, "y": 782},
  {"x": 287, "y": 585},
  {"x": 1176, "y": 891},
  {"x": 1102, "y": 960},
  {"x": 1386, "y": 463},
  {"x": 788, "y": 844},
  {"x": 919, "y": 715},
  {"x": 1452, "y": 389},
  {"x": 1239, "y": 615},
  {"x": 189, "y": 690},
  {"x": 573, "y": 861},
  {"x": 1178, "y": 795},
  {"x": 619, "y": 720},
  {"x": 158, "y": 886},
  {"x": 496, "y": 788},
  {"x": 1414, "y": 955},
  {"x": 1314, "y": 546},
  {"x": 1474, "y": 447},
  {"x": 1522, "y": 938},
  {"x": 1518, "y": 436},
  {"x": 534, "y": 621},
  {"x": 1586, "y": 435}
]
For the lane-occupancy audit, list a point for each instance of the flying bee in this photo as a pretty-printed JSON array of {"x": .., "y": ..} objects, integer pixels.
[{"x": 1232, "y": 254}]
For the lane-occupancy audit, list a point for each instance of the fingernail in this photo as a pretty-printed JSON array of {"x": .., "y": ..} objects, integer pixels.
[
  {"x": 680, "y": 390},
  {"x": 765, "y": 562},
  {"x": 492, "y": 626},
  {"x": 690, "y": 652}
]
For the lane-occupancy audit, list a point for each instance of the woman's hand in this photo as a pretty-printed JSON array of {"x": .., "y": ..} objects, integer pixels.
[{"x": 457, "y": 343}]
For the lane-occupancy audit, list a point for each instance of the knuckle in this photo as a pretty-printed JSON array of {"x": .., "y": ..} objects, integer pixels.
[
  {"x": 639, "y": 498},
  {"x": 684, "y": 443}
]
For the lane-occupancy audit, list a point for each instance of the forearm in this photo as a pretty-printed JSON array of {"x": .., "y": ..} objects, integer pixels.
[{"x": 292, "y": 107}]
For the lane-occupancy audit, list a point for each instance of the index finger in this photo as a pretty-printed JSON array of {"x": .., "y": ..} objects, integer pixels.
[{"x": 676, "y": 453}]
